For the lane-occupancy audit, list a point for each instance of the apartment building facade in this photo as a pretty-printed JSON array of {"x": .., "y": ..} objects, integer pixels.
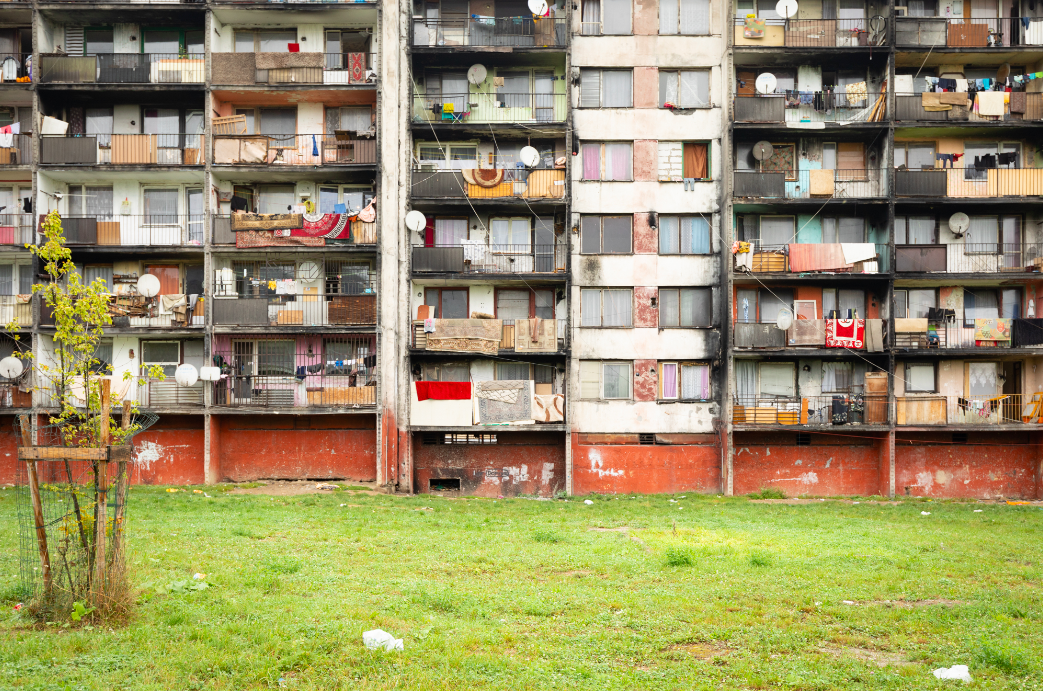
[{"x": 612, "y": 246}]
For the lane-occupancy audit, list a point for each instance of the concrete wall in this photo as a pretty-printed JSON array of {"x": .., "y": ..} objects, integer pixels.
[
  {"x": 988, "y": 465},
  {"x": 619, "y": 464}
]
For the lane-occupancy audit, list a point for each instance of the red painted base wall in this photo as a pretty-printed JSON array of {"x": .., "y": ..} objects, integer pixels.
[
  {"x": 988, "y": 466},
  {"x": 294, "y": 447},
  {"x": 829, "y": 466},
  {"x": 644, "y": 469},
  {"x": 519, "y": 463},
  {"x": 170, "y": 452},
  {"x": 10, "y": 440}
]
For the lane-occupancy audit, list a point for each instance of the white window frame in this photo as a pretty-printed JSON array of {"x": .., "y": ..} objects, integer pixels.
[{"x": 586, "y": 367}]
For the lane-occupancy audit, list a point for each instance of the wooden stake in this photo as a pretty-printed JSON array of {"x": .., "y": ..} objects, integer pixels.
[
  {"x": 34, "y": 494},
  {"x": 101, "y": 495},
  {"x": 122, "y": 485}
]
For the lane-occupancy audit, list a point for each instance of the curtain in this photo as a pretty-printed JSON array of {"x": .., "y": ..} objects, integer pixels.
[
  {"x": 668, "y": 376},
  {"x": 618, "y": 161},
  {"x": 695, "y": 382},
  {"x": 6, "y": 279},
  {"x": 980, "y": 304},
  {"x": 668, "y": 20},
  {"x": 982, "y": 377},
  {"x": 837, "y": 377},
  {"x": 693, "y": 89},
  {"x": 1011, "y": 303},
  {"x": 770, "y": 304},
  {"x": 921, "y": 230},
  {"x": 919, "y": 377},
  {"x": 515, "y": 90},
  {"x": 983, "y": 230},
  {"x": 667, "y": 88},
  {"x": 512, "y": 371},
  {"x": 776, "y": 231},
  {"x": 695, "y": 17},
  {"x": 99, "y": 122},
  {"x": 355, "y": 119},
  {"x": 689, "y": 307},
  {"x": 617, "y": 380},
  {"x": 617, "y": 88},
  {"x": 166, "y": 122},
  {"x": 746, "y": 305},
  {"x": 589, "y": 379},
  {"x": 668, "y": 235},
  {"x": 616, "y": 18},
  {"x": 512, "y": 304},
  {"x": 590, "y": 235},
  {"x": 592, "y": 161},
  {"x": 854, "y": 300},
  {"x": 616, "y": 234},
  {"x": 99, "y": 202},
  {"x": 160, "y": 206},
  {"x": 591, "y": 307},
  {"x": 852, "y": 229},
  {"x": 25, "y": 279},
  {"x": 589, "y": 88},
  {"x": 103, "y": 272},
  {"x": 696, "y": 161},
  {"x": 449, "y": 232},
  {"x": 275, "y": 199},
  {"x": 668, "y": 308},
  {"x": 920, "y": 301},
  {"x": 745, "y": 382},
  {"x": 618, "y": 305},
  {"x": 777, "y": 379},
  {"x": 591, "y": 17}
]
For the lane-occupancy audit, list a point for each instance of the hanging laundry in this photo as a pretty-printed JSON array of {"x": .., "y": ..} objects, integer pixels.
[
  {"x": 792, "y": 99},
  {"x": 991, "y": 103},
  {"x": 961, "y": 84},
  {"x": 1008, "y": 159},
  {"x": 856, "y": 91},
  {"x": 807, "y": 97},
  {"x": 1018, "y": 102},
  {"x": 947, "y": 84},
  {"x": 944, "y": 158}
]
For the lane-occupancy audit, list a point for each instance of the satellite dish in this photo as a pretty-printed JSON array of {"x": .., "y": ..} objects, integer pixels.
[
  {"x": 786, "y": 8},
  {"x": 959, "y": 222},
  {"x": 530, "y": 156},
  {"x": 416, "y": 220},
  {"x": 762, "y": 151},
  {"x": 307, "y": 271},
  {"x": 186, "y": 375},
  {"x": 766, "y": 83},
  {"x": 477, "y": 74},
  {"x": 538, "y": 7},
  {"x": 785, "y": 319},
  {"x": 148, "y": 285},
  {"x": 209, "y": 373},
  {"x": 10, "y": 367},
  {"x": 1003, "y": 72}
]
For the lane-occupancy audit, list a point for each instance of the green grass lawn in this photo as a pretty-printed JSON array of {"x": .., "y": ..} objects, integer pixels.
[{"x": 699, "y": 592}]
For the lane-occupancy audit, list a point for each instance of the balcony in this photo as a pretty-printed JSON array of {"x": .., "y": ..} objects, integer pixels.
[
  {"x": 360, "y": 234},
  {"x": 982, "y": 183},
  {"x": 809, "y": 33},
  {"x": 17, "y": 229},
  {"x": 953, "y": 331},
  {"x": 804, "y": 333},
  {"x": 242, "y": 301},
  {"x": 1003, "y": 409},
  {"x": 11, "y": 396},
  {"x": 134, "y": 231},
  {"x": 910, "y": 108},
  {"x": 943, "y": 32},
  {"x": 168, "y": 393},
  {"x": 293, "y": 150},
  {"x": 243, "y": 69},
  {"x": 491, "y": 32},
  {"x": 969, "y": 258},
  {"x": 122, "y": 149},
  {"x": 304, "y": 372},
  {"x": 824, "y": 257},
  {"x": 490, "y": 336},
  {"x": 827, "y": 410},
  {"x": 503, "y": 184},
  {"x": 810, "y": 184},
  {"x": 15, "y": 68},
  {"x": 490, "y": 108},
  {"x": 20, "y": 153},
  {"x": 16, "y": 309},
  {"x": 479, "y": 258},
  {"x": 123, "y": 68},
  {"x": 133, "y": 311},
  {"x": 809, "y": 107}
]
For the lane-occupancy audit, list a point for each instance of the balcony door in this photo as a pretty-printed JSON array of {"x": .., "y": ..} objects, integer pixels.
[
  {"x": 169, "y": 276},
  {"x": 543, "y": 93}
]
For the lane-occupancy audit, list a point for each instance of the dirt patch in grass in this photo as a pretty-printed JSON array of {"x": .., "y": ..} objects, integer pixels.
[
  {"x": 626, "y": 531},
  {"x": 914, "y": 604},
  {"x": 877, "y": 657},
  {"x": 707, "y": 650},
  {"x": 293, "y": 488},
  {"x": 791, "y": 502},
  {"x": 578, "y": 573}
]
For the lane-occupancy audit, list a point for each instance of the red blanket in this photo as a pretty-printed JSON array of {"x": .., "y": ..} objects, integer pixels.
[
  {"x": 845, "y": 333},
  {"x": 328, "y": 226},
  {"x": 443, "y": 390}
]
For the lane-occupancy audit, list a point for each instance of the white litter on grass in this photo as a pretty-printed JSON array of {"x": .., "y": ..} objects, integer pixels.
[
  {"x": 925, "y": 513},
  {"x": 818, "y": 604},
  {"x": 847, "y": 602},
  {"x": 198, "y": 576},
  {"x": 588, "y": 502},
  {"x": 378, "y": 638},
  {"x": 671, "y": 501},
  {"x": 960, "y": 672},
  {"x": 978, "y": 510}
]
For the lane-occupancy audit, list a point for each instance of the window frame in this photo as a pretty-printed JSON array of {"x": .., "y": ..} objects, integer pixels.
[
  {"x": 918, "y": 363},
  {"x": 601, "y": 233},
  {"x": 677, "y": 75},
  {"x": 531, "y": 290},
  {"x": 603, "y": 161},
  {"x": 439, "y": 290},
  {"x": 601, "y": 364},
  {"x": 601, "y": 308},
  {"x": 680, "y": 365},
  {"x": 659, "y": 16},
  {"x": 680, "y": 290},
  {"x": 601, "y": 87},
  {"x": 680, "y": 218}
]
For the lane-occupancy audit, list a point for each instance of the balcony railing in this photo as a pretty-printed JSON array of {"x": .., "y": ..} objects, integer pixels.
[
  {"x": 827, "y": 410},
  {"x": 521, "y": 32},
  {"x": 17, "y": 229},
  {"x": 803, "y": 333},
  {"x": 169, "y": 394},
  {"x": 807, "y": 107},
  {"x": 361, "y": 234},
  {"x": 811, "y": 184},
  {"x": 137, "y": 311},
  {"x": 514, "y": 336},
  {"x": 292, "y": 2},
  {"x": 293, "y": 68},
  {"x": 970, "y": 182},
  {"x": 514, "y": 183},
  {"x": 140, "y": 230},
  {"x": 1000, "y": 409},
  {"x": 313, "y": 372},
  {"x": 123, "y": 68},
  {"x": 490, "y": 108},
  {"x": 15, "y": 67},
  {"x": 823, "y": 257},
  {"x": 293, "y": 150},
  {"x": 20, "y": 153},
  {"x": 978, "y": 32},
  {"x": 122, "y": 149},
  {"x": 290, "y": 302},
  {"x": 11, "y": 396},
  {"x": 969, "y": 258},
  {"x": 478, "y": 257},
  {"x": 909, "y": 108},
  {"x": 17, "y": 309},
  {"x": 954, "y": 333},
  {"x": 811, "y": 33}
]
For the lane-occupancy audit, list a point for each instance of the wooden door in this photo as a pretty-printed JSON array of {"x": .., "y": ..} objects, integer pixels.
[
  {"x": 851, "y": 161},
  {"x": 169, "y": 278},
  {"x": 745, "y": 86}
]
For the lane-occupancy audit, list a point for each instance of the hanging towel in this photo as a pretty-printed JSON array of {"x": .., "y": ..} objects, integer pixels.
[
  {"x": 990, "y": 103},
  {"x": 961, "y": 85},
  {"x": 932, "y": 102},
  {"x": 1017, "y": 102},
  {"x": 443, "y": 390},
  {"x": 954, "y": 98}
]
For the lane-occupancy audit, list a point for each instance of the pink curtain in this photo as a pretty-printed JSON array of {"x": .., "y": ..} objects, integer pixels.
[
  {"x": 669, "y": 379},
  {"x": 618, "y": 161},
  {"x": 592, "y": 161}
]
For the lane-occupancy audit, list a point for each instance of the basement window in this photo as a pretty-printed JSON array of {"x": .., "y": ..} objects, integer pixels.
[
  {"x": 445, "y": 484},
  {"x": 646, "y": 439},
  {"x": 959, "y": 437},
  {"x": 464, "y": 438},
  {"x": 803, "y": 438}
]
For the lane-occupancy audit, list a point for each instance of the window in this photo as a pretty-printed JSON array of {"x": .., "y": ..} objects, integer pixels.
[
  {"x": 161, "y": 206},
  {"x": 608, "y": 161},
  {"x": 983, "y": 379},
  {"x": 606, "y": 17},
  {"x": 684, "y": 89},
  {"x": 511, "y": 234},
  {"x": 103, "y": 355},
  {"x": 264, "y": 41},
  {"x": 606, "y": 234},
  {"x": 684, "y": 381},
  {"x": 923, "y": 8},
  {"x": 778, "y": 379},
  {"x": 771, "y": 302},
  {"x": 449, "y": 303},
  {"x": 355, "y": 119},
  {"x": 514, "y": 93},
  {"x": 914, "y": 303},
  {"x": 166, "y": 354},
  {"x": 689, "y": 17},
  {"x": 686, "y": 307},
  {"x": 512, "y": 371},
  {"x": 980, "y": 156},
  {"x": 843, "y": 301},
  {"x": 280, "y": 126},
  {"x": 93, "y": 272},
  {"x": 99, "y": 123},
  {"x": 455, "y": 157},
  {"x": 276, "y": 358},
  {"x": 353, "y": 198},
  {"x": 605, "y": 380},
  {"x": 843, "y": 229},
  {"x": 164, "y": 121},
  {"x": 920, "y": 377},
  {"x": 782, "y": 160},
  {"x": 776, "y": 231},
  {"x": 449, "y": 87},
  {"x": 979, "y": 303},
  {"x": 915, "y": 230},
  {"x": 684, "y": 161},
  {"x": 341, "y": 43},
  {"x": 684, "y": 235},
  {"x": 450, "y": 232},
  {"x": 85, "y": 200},
  {"x": 447, "y": 371},
  {"x": 97, "y": 41},
  {"x": 275, "y": 199},
  {"x": 606, "y": 88},
  {"x": 983, "y": 234},
  {"x": 914, "y": 155},
  {"x": 607, "y": 307},
  {"x": 843, "y": 377},
  {"x": 514, "y": 304},
  {"x": 17, "y": 279}
]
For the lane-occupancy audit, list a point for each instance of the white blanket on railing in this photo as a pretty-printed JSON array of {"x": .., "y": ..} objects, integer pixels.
[{"x": 858, "y": 251}]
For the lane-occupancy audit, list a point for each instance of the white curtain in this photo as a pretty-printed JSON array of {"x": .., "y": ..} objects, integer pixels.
[
  {"x": 694, "y": 89},
  {"x": 983, "y": 230},
  {"x": 160, "y": 206},
  {"x": 617, "y": 380},
  {"x": 617, "y": 88},
  {"x": 618, "y": 305},
  {"x": 745, "y": 382},
  {"x": 618, "y": 161},
  {"x": 591, "y": 307},
  {"x": 695, "y": 17},
  {"x": 668, "y": 16},
  {"x": 695, "y": 381},
  {"x": 355, "y": 119},
  {"x": 668, "y": 235},
  {"x": 983, "y": 377},
  {"x": 616, "y": 17},
  {"x": 589, "y": 88},
  {"x": 919, "y": 377},
  {"x": 449, "y": 232},
  {"x": 591, "y": 17},
  {"x": 590, "y": 379},
  {"x": 668, "y": 308},
  {"x": 777, "y": 379}
]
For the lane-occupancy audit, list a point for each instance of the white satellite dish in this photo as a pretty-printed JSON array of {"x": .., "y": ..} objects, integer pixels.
[
  {"x": 186, "y": 375},
  {"x": 307, "y": 271},
  {"x": 210, "y": 373},
  {"x": 416, "y": 220},
  {"x": 148, "y": 285},
  {"x": 538, "y": 7},
  {"x": 766, "y": 83},
  {"x": 785, "y": 319},
  {"x": 786, "y": 8},
  {"x": 477, "y": 74},
  {"x": 10, "y": 367},
  {"x": 529, "y": 156},
  {"x": 959, "y": 222},
  {"x": 763, "y": 150}
]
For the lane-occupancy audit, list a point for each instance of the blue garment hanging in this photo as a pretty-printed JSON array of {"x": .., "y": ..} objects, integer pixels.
[{"x": 314, "y": 146}]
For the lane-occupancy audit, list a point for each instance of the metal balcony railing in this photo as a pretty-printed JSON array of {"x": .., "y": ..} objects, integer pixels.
[
  {"x": 129, "y": 310},
  {"x": 17, "y": 229},
  {"x": 293, "y": 68},
  {"x": 306, "y": 372},
  {"x": 122, "y": 149},
  {"x": 977, "y": 32},
  {"x": 478, "y": 257},
  {"x": 292, "y": 2},
  {"x": 134, "y": 230},
  {"x": 513, "y": 183},
  {"x": 525, "y": 31},
  {"x": 809, "y": 106},
  {"x": 169, "y": 394},
  {"x": 811, "y": 33},
  {"x": 930, "y": 409},
  {"x": 811, "y": 184},
  {"x": 970, "y": 182},
  {"x": 826, "y": 410},
  {"x": 123, "y": 68},
  {"x": 361, "y": 233},
  {"x": 15, "y": 67},
  {"x": 293, "y": 150},
  {"x": 17, "y": 309},
  {"x": 19, "y": 153},
  {"x": 803, "y": 333},
  {"x": 822, "y": 257},
  {"x": 242, "y": 301},
  {"x": 969, "y": 258},
  {"x": 909, "y": 108},
  {"x": 490, "y": 108}
]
